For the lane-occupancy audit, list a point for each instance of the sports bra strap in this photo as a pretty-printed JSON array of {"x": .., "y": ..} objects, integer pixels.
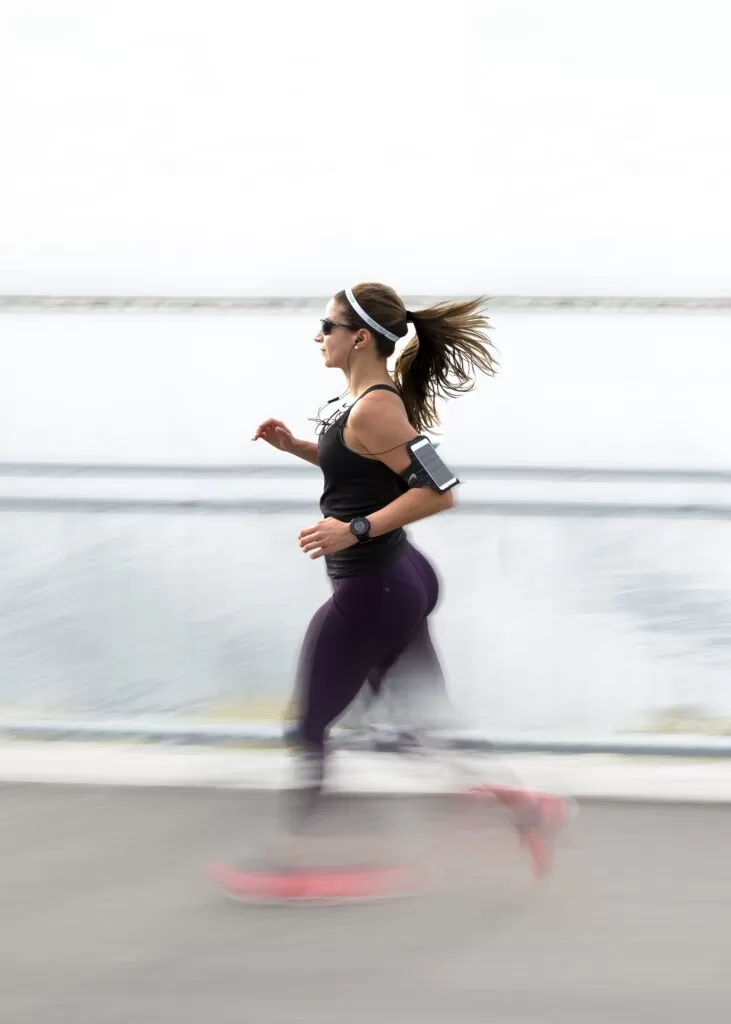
[{"x": 373, "y": 387}]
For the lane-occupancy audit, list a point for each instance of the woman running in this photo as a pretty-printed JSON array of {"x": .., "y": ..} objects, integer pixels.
[
  {"x": 383, "y": 589},
  {"x": 375, "y": 624}
]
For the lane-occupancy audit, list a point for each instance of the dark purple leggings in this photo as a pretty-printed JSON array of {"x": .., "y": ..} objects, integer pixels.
[{"x": 373, "y": 626}]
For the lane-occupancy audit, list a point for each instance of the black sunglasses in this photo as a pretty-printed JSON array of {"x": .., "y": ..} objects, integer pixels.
[{"x": 327, "y": 326}]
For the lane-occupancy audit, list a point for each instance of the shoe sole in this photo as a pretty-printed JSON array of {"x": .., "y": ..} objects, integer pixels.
[{"x": 251, "y": 888}]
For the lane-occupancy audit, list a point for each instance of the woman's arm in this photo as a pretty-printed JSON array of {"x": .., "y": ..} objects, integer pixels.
[
  {"x": 306, "y": 450},
  {"x": 417, "y": 503},
  {"x": 331, "y": 535},
  {"x": 378, "y": 427}
]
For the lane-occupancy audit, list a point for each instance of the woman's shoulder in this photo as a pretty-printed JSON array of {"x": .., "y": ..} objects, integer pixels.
[
  {"x": 377, "y": 397},
  {"x": 374, "y": 405},
  {"x": 379, "y": 420}
]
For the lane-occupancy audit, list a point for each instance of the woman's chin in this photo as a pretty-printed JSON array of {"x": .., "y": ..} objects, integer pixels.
[{"x": 329, "y": 363}]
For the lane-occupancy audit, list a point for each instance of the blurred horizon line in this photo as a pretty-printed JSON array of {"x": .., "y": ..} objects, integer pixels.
[
  {"x": 297, "y": 303},
  {"x": 607, "y": 473}
]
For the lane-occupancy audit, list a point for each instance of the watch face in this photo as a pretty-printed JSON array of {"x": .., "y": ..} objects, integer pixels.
[{"x": 360, "y": 526}]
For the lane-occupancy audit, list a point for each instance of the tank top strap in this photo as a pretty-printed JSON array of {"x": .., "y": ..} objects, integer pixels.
[{"x": 373, "y": 387}]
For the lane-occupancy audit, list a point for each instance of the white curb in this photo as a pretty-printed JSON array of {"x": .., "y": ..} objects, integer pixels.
[{"x": 583, "y": 776}]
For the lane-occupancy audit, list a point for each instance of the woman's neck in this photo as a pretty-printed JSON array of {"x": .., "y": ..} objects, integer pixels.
[{"x": 362, "y": 378}]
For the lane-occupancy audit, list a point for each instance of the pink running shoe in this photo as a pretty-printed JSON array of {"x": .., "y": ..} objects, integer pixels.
[
  {"x": 311, "y": 885},
  {"x": 539, "y": 817}
]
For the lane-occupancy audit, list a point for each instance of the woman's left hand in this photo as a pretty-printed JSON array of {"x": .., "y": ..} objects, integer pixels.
[{"x": 326, "y": 537}]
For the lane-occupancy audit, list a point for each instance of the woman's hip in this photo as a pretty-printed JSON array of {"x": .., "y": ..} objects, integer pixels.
[{"x": 409, "y": 582}]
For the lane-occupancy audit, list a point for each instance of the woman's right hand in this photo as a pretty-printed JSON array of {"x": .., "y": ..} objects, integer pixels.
[{"x": 275, "y": 433}]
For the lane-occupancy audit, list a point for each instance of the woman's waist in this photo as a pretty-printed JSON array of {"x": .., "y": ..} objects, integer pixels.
[
  {"x": 345, "y": 503},
  {"x": 347, "y": 510},
  {"x": 367, "y": 555}
]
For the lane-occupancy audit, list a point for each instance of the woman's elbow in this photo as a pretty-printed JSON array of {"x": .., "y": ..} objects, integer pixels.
[{"x": 447, "y": 499}]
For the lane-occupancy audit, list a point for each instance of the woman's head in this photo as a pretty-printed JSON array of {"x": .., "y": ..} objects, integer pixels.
[
  {"x": 450, "y": 344},
  {"x": 346, "y": 331}
]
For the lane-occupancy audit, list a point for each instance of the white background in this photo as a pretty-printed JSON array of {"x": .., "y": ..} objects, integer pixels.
[{"x": 507, "y": 146}]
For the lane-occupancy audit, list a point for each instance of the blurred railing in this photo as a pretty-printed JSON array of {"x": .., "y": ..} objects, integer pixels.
[{"x": 583, "y": 608}]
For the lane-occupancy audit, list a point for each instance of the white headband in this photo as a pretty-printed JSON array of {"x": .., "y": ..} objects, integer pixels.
[{"x": 368, "y": 319}]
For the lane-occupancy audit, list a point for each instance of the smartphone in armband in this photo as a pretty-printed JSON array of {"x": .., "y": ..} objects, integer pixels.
[{"x": 427, "y": 467}]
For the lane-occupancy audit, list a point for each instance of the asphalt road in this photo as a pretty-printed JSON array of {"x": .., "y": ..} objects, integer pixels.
[{"x": 107, "y": 917}]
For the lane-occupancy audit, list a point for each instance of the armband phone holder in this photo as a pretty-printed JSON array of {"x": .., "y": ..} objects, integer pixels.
[{"x": 427, "y": 469}]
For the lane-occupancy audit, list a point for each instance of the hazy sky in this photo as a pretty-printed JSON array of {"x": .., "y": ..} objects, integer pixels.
[{"x": 551, "y": 146}]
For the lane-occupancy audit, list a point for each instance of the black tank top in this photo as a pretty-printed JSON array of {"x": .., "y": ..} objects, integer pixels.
[{"x": 357, "y": 486}]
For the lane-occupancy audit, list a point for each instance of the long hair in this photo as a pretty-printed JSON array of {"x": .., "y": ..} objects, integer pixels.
[{"x": 450, "y": 346}]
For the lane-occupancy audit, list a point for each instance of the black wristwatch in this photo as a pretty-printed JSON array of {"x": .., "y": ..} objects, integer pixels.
[{"x": 360, "y": 527}]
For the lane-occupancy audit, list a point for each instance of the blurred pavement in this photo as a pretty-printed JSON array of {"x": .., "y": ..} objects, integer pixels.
[{"x": 108, "y": 918}]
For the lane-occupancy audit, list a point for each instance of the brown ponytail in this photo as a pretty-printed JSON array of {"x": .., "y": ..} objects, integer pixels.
[{"x": 441, "y": 361}]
